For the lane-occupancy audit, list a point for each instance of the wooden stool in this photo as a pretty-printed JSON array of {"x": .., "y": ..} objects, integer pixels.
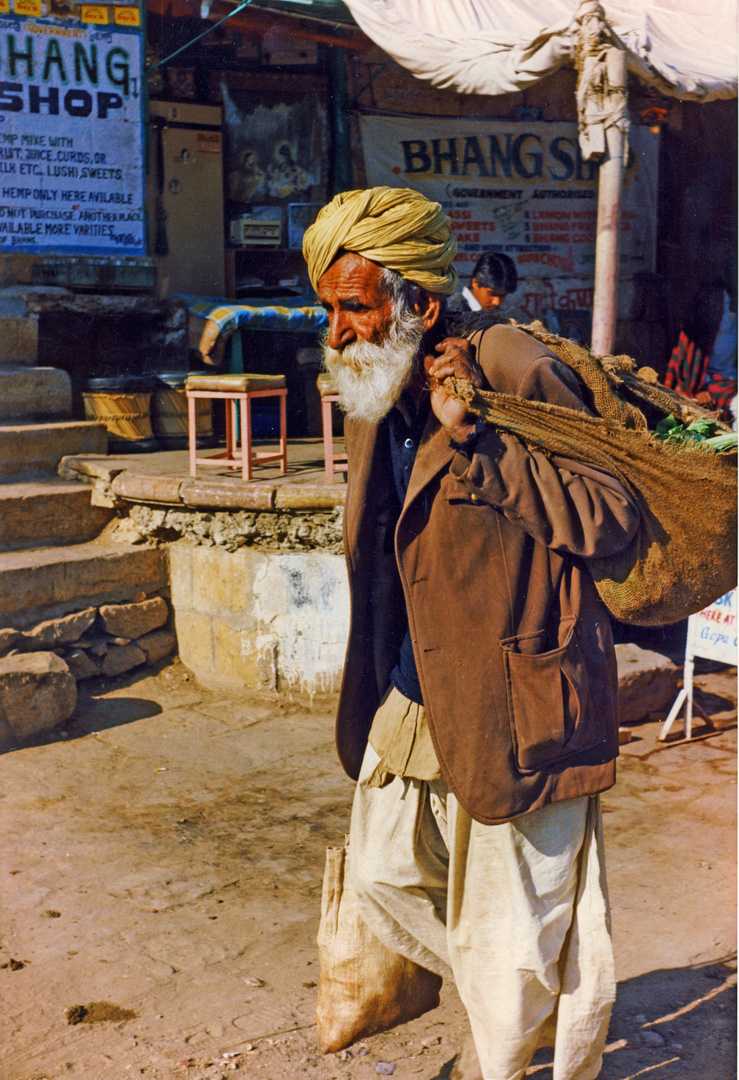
[
  {"x": 333, "y": 462},
  {"x": 236, "y": 390}
]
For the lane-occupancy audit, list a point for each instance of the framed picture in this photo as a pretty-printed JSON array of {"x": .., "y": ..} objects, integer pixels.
[{"x": 275, "y": 148}]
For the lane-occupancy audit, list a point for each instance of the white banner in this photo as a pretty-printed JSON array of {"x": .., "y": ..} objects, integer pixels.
[
  {"x": 523, "y": 189},
  {"x": 71, "y": 138}
]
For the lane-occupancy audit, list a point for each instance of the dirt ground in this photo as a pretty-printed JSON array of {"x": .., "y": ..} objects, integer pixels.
[{"x": 160, "y": 884}]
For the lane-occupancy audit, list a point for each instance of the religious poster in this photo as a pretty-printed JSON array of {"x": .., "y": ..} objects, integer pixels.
[
  {"x": 523, "y": 189},
  {"x": 71, "y": 135},
  {"x": 275, "y": 154}
]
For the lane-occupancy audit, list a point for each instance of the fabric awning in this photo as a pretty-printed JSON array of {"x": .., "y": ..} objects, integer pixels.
[{"x": 685, "y": 48}]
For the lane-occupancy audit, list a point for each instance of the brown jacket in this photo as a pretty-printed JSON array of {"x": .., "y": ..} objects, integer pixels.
[{"x": 512, "y": 644}]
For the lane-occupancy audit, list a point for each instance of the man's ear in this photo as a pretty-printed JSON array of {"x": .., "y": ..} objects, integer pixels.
[{"x": 432, "y": 312}]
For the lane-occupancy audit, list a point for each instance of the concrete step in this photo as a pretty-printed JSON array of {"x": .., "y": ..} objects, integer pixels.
[
  {"x": 27, "y": 449},
  {"x": 48, "y": 512},
  {"x": 45, "y": 583},
  {"x": 18, "y": 338},
  {"x": 34, "y": 393}
]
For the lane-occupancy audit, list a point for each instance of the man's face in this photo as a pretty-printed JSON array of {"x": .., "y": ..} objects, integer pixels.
[
  {"x": 357, "y": 304},
  {"x": 485, "y": 296},
  {"x": 371, "y": 347}
]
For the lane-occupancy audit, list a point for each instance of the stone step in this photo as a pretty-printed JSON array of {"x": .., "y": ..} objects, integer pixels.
[
  {"x": 45, "y": 583},
  {"x": 27, "y": 449},
  {"x": 18, "y": 338},
  {"x": 48, "y": 512},
  {"x": 34, "y": 393}
]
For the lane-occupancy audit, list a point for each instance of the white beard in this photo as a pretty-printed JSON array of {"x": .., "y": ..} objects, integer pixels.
[{"x": 370, "y": 378}]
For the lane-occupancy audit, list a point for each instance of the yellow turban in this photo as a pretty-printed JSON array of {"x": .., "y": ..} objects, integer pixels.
[{"x": 396, "y": 227}]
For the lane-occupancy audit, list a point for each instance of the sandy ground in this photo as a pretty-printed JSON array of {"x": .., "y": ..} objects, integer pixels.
[{"x": 160, "y": 884}]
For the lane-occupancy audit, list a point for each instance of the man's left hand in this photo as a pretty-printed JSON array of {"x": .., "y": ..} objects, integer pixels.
[{"x": 455, "y": 357}]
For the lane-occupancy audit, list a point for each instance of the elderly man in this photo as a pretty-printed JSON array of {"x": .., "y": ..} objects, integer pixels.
[{"x": 478, "y": 705}]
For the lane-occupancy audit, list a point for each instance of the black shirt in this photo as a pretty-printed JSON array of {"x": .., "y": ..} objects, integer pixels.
[{"x": 403, "y": 441}]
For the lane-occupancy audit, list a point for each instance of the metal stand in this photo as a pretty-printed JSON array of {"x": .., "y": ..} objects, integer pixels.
[
  {"x": 711, "y": 635},
  {"x": 685, "y": 697}
]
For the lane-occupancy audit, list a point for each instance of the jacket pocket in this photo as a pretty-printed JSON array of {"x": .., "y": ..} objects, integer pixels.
[{"x": 549, "y": 702}]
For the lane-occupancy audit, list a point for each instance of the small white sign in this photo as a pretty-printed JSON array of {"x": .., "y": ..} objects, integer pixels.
[{"x": 712, "y": 631}]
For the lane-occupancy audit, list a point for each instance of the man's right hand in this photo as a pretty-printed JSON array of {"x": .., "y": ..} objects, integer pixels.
[{"x": 455, "y": 357}]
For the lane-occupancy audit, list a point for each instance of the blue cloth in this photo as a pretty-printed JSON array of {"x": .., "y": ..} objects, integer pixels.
[
  {"x": 723, "y": 354},
  {"x": 230, "y": 316}
]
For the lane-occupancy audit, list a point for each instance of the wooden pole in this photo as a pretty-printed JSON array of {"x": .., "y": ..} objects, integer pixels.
[{"x": 610, "y": 181}]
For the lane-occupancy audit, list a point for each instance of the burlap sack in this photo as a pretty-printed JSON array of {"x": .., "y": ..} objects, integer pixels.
[
  {"x": 683, "y": 556},
  {"x": 364, "y": 988}
]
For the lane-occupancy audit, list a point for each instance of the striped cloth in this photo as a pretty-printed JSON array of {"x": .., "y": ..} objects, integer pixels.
[{"x": 689, "y": 373}]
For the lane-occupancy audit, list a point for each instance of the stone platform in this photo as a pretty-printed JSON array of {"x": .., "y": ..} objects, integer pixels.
[
  {"x": 163, "y": 478},
  {"x": 256, "y": 569}
]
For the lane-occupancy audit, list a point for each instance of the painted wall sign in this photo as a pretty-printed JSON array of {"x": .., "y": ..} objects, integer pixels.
[
  {"x": 71, "y": 138},
  {"x": 523, "y": 189}
]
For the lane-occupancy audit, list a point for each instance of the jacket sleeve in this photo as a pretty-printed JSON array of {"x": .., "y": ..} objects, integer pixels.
[{"x": 563, "y": 504}]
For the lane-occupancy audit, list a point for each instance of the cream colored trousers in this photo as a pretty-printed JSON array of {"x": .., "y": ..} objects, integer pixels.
[{"x": 516, "y": 913}]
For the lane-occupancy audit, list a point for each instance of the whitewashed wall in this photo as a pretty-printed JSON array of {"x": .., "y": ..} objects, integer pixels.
[{"x": 260, "y": 619}]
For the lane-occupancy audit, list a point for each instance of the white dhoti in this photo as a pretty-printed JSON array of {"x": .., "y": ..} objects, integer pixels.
[{"x": 516, "y": 913}]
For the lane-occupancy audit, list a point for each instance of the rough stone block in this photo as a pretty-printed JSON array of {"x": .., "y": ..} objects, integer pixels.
[
  {"x": 647, "y": 682},
  {"x": 157, "y": 644},
  {"x": 309, "y": 496},
  {"x": 159, "y": 489},
  {"x": 98, "y": 646},
  {"x": 59, "y": 631},
  {"x": 220, "y": 582},
  {"x": 8, "y": 640},
  {"x": 249, "y": 659},
  {"x": 12, "y": 303},
  {"x": 97, "y": 467},
  {"x": 18, "y": 340},
  {"x": 123, "y": 530},
  {"x": 81, "y": 665},
  {"x": 34, "y": 392},
  {"x": 47, "y": 582},
  {"x": 182, "y": 574},
  {"x": 227, "y": 495},
  {"x": 195, "y": 642},
  {"x": 122, "y": 658},
  {"x": 37, "y": 693},
  {"x": 28, "y": 449},
  {"x": 46, "y": 512},
  {"x": 133, "y": 620}
]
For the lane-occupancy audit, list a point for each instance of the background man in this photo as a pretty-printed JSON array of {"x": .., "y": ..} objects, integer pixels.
[
  {"x": 493, "y": 279},
  {"x": 478, "y": 705}
]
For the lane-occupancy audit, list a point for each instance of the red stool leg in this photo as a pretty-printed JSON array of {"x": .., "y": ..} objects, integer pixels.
[
  {"x": 246, "y": 458},
  {"x": 283, "y": 430},
  {"x": 230, "y": 406},
  {"x": 191, "y": 434}
]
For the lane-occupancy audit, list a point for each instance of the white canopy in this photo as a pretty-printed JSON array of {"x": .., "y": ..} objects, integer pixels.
[{"x": 685, "y": 48}]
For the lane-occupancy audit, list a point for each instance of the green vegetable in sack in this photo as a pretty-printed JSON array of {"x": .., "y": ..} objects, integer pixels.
[{"x": 707, "y": 432}]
